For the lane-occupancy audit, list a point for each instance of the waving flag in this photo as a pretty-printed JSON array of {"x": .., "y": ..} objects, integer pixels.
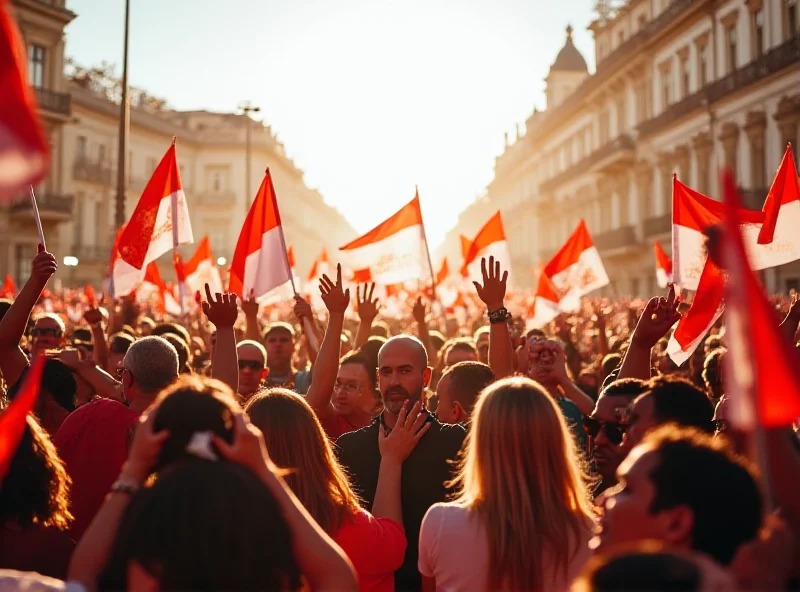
[
  {"x": 395, "y": 251},
  {"x": 154, "y": 284},
  {"x": 201, "y": 270},
  {"x": 576, "y": 269},
  {"x": 23, "y": 147},
  {"x": 124, "y": 277},
  {"x": 152, "y": 231},
  {"x": 490, "y": 241},
  {"x": 14, "y": 418},
  {"x": 545, "y": 303},
  {"x": 260, "y": 263},
  {"x": 770, "y": 236},
  {"x": 762, "y": 365},
  {"x": 663, "y": 266},
  {"x": 443, "y": 273}
]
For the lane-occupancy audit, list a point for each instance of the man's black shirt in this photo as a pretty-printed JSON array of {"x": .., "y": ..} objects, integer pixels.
[{"x": 424, "y": 474}]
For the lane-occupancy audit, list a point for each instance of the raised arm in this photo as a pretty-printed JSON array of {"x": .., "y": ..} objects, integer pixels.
[
  {"x": 493, "y": 294},
  {"x": 311, "y": 331},
  {"x": 222, "y": 311},
  {"x": 367, "y": 311},
  {"x": 13, "y": 361},
  {"x": 420, "y": 313},
  {"x": 252, "y": 326},
  {"x": 658, "y": 317},
  {"x": 94, "y": 317},
  {"x": 583, "y": 401},
  {"x": 327, "y": 367}
]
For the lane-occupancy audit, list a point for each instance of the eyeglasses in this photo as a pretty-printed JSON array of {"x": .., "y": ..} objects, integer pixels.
[
  {"x": 613, "y": 431},
  {"x": 41, "y": 332},
  {"x": 347, "y": 388},
  {"x": 254, "y": 365}
]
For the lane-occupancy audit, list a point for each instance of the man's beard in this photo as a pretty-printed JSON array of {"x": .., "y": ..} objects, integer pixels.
[{"x": 394, "y": 404}]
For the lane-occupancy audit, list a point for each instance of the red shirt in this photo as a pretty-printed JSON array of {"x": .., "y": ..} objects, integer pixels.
[
  {"x": 335, "y": 425},
  {"x": 43, "y": 550},
  {"x": 375, "y": 546},
  {"x": 93, "y": 442}
]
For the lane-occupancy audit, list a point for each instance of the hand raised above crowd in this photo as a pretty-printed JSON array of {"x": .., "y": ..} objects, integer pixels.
[
  {"x": 368, "y": 307},
  {"x": 336, "y": 299},
  {"x": 419, "y": 311},
  {"x": 302, "y": 309},
  {"x": 657, "y": 319},
  {"x": 222, "y": 310},
  {"x": 43, "y": 267},
  {"x": 493, "y": 290}
]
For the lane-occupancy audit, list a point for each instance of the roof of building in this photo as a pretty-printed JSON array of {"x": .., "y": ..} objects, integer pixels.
[{"x": 569, "y": 59}]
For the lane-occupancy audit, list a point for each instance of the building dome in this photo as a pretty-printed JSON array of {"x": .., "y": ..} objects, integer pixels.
[{"x": 569, "y": 59}]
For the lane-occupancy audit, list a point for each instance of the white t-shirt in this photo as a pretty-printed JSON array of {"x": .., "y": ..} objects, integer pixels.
[{"x": 454, "y": 550}]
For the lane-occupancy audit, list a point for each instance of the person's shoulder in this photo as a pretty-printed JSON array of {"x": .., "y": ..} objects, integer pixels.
[
  {"x": 103, "y": 414},
  {"x": 358, "y": 436},
  {"x": 449, "y": 431}
]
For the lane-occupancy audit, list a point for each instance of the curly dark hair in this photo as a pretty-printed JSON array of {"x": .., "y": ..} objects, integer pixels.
[
  {"x": 36, "y": 488},
  {"x": 205, "y": 526}
]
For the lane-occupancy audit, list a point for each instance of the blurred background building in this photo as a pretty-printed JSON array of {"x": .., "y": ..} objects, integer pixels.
[{"x": 681, "y": 86}]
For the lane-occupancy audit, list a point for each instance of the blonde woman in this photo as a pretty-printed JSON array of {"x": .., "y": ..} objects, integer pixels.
[{"x": 522, "y": 518}]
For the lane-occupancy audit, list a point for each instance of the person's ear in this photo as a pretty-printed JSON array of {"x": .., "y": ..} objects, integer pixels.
[
  {"x": 426, "y": 376},
  {"x": 460, "y": 413},
  {"x": 677, "y": 524}
]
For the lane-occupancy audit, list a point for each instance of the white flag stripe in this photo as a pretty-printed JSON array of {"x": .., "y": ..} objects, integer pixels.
[
  {"x": 498, "y": 250},
  {"x": 162, "y": 239},
  {"x": 396, "y": 259},
  {"x": 265, "y": 269}
]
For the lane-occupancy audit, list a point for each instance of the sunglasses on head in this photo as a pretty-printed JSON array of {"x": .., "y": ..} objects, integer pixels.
[
  {"x": 46, "y": 332},
  {"x": 613, "y": 431},
  {"x": 254, "y": 365}
]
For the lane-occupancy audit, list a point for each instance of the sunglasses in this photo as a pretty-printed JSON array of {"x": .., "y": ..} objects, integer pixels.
[
  {"x": 254, "y": 365},
  {"x": 46, "y": 332},
  {"x": 613, "y": 431}
]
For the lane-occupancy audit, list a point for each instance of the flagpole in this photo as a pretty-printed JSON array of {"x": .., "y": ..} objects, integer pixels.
[
  {"x": 173, "y": 206},
  {"x": 430, "y": 265},
  {"x": 124, "y": 125},
  {"x": 307, "y": 327},
  {"x": 37, "y": 218}
]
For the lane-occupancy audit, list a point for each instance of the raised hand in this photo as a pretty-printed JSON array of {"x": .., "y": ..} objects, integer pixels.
[
  {"x": 367, "y": 307},
  {"x": 43, "y": 267},
  {"x": 222, "y": 310},
  {"x": 335, "y": 298},
  {"x": 658, "y": 317},
  {"x": 493, "y": 290},
  {"x": 302, "y": 309},
  {"x": 93, "y": 316},
  {"x": 250, "y": 305},
  {"x": 420, "y": 311},
  {"x": 398, "y": 444}
]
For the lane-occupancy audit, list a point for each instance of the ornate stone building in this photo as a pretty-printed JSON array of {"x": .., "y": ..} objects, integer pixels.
[
  {"x": 42, "y": 26},
  {"x": 681, "y": 86}
]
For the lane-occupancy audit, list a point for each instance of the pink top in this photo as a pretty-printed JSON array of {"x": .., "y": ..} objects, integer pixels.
[{"x": 375, "y": 546}]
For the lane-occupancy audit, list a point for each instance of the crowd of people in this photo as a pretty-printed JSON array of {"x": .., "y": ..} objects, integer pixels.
[{"x": 230, "y": 450}]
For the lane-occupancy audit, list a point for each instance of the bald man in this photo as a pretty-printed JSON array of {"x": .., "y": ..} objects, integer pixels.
[
  {"x": 403, "y": 374},
  {"x": 252, "y": 367}
]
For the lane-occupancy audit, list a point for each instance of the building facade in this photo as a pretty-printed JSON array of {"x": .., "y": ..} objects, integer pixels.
[
  {"x": 681, "y": 87},
  {"x": 42, "y": 26},
  {"x": 212, "y": 157}
]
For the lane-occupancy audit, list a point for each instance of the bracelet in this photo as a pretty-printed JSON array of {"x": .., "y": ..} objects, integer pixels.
[
  {"x": 126, "y": 486},
  {"x": 501, "y": 315}
]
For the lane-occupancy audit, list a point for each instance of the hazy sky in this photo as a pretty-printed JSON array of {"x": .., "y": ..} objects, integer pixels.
[{"x": 370, "y": 97}]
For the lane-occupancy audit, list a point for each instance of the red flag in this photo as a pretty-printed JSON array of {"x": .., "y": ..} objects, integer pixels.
[
  {"x": 321, "y": 266},
  {"x": 663, "y": 266},
  {"x": 91, "y": 296},
  {"x": 9, "y": 289},
  {"x": 13, "y": 419},
  {"x": 290, "y": 256},
  {"x": 762, "y": 363},
  {"x": 444, "y": 272},
  {"x": 23, "y": 147},
  {"x": 362, "y": 276},
  {"x": 150, "y": 232},
  {"x": 201, "y": 270},
  {"x": 785, "y": 190},
  {"x": 260, "y": 261},
  {"x": 490, "y": 241}
]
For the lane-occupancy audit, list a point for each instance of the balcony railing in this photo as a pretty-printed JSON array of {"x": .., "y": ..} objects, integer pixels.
[
  {"x": 217, "y": 198},
  {"x": 618, "y": 238},
  {"x": 658, "y": 225},
  {"x": 86, "y": 170},
  {"x": 779, "y": 58},
  {"x": 92, "y": 253},
  {"x": 55, "y": 102},
  {"x": 49, "y": 205},
  {"x": 621, "y": 143}
]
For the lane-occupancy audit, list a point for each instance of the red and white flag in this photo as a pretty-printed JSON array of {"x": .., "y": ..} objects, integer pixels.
[
  {"x": 395, "y": 251},
  {"x": 23, "y": 147},
  {"x": 576, "y": 269},
  {"x": 124, "y": 277},
  {"x": 490, "y": 241},
  {"x": 14, "y": 418},
  {"x": 201, "y": 269},
  {"x": 154, "y": 285},
  {"x": 705, "y": 310},
  {"x": 443, "y": 273},
  {"x": 9, "y": 289},
  {"x": 762, "y": 365},
  {"x": 663, "y": 266},
  {"x": 545, "y": 303},
  {"x": 770, "y": 235},
  {"x": 160, "y": 221},
  {"x": 260, "y": 263}
]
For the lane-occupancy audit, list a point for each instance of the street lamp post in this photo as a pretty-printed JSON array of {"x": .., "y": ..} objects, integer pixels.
[
  {"x": 246, "y": 108},
  {"x": 124, "y": 125}
]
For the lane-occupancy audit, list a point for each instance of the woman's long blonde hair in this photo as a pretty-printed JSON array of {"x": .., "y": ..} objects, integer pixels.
[
  {"x": 522, "y": 475},
  {"x": 296, "y": 442}
]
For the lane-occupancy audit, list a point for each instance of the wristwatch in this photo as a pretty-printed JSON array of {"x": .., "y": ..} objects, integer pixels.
[
  {"x": 501, "y": 315},
  {"x": 126, "y": 485}
]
